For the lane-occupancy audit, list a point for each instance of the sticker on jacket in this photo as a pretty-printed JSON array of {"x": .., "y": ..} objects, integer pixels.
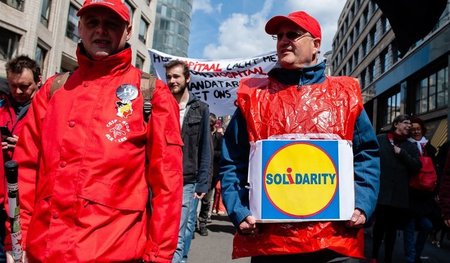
[
  {"x": 126, "y": 93},
  {"x": 117, "y": 130}
]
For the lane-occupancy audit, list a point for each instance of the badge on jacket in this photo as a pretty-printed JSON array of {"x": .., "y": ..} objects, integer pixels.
[{"x": 126, "y": 93}]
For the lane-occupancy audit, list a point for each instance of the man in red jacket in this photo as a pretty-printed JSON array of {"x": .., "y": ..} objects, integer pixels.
[
  {"x": 24, "y": 79},
  {"x": 87, "y": 159}
]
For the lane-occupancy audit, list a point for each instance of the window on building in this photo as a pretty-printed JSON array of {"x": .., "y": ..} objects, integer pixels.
[
  {"x": 130, "y": 9},
  {"x": 432, "y": 92},
  {"x": 140, "y": 62},
  {"x": 356, "y": 30},
  {"x": 364, "y": 17},
  {"x": 17, "y": 4},
  {"x": 383, "y": 61},
  {"x": 356, "y": 57},
  {"x": 395, "y": 53},
  {"x": 373, "y": 40},
  {"x": 383, "y": 24},
  {"x": 143, "y": 29},
  {"x": 45, "y": 12},
  {"x": 40, "y": 55},
  {"x": 362, "y": 79},
  {"x": 9, "y": 42},
  {"x": 72, "y": 24},
  {"x": 364, "y": 47},
  {"x": 392, "y": 108},
  {"x": 371, "y": 71}
]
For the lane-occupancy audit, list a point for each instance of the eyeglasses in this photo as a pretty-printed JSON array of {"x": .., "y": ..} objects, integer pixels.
[
  {"x": 291, "y": 35},
  {"x": 406, "y": 122}
]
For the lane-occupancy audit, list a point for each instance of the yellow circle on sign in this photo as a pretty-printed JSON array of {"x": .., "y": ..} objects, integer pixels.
[{"x": 300, "y": 179}]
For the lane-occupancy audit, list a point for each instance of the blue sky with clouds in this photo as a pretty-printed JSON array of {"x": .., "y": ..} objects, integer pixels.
[{"x": 235, "y": 28}]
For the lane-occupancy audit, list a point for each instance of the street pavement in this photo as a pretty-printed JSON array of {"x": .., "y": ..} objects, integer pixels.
[{"x": 217, "y": 246}]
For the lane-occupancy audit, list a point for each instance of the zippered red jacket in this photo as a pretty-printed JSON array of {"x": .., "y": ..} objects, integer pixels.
[{"x": 87, "y": 160}]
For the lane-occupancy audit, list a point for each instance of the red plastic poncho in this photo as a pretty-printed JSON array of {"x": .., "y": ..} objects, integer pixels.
[{"x": 271, "y": 108}]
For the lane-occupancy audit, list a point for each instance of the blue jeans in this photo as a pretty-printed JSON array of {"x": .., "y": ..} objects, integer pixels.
[
  {"x": 414, "y": 246},
  {"x": 188, "y": 197},
  {"x": 190, "y": 228}
]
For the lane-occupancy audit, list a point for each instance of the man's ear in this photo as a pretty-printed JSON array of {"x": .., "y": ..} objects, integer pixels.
[{"x": 129, "y": 30}]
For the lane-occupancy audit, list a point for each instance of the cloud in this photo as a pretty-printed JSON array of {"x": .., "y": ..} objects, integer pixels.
[
  {"x": 202, "y": 5},
  {"x": 326, "y": 12},
  {"x": 242, "y": 35}
]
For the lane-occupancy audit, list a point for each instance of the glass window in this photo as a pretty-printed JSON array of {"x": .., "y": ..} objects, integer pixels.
[
  {"x": 130, "y": 9},
  {"x": 143, "y": 29},
  {"x": 364, "y": 47},
  {"x": 45, "y": 12},
  {"x": 383, "y": 61},
  {"x": 371, "y": 72},
  {"x": 392, "y": 108},
  {"x": 41, "y": 54},
  {"x": 17, "y": 4},
  {"x": 442, "y": 88},
  {"x": 432, "y": 92},
  {"x": 72, "y": 24},
  {"x": 140, "y": 62},
  {"x": 9, "y": 42}
]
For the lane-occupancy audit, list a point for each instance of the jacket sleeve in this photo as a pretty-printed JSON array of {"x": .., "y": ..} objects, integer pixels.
[
  {"x": 366, "y": 165},
  {"x": 27, "y": 156},
  {"x": 234, "y": 168},
  {"x": 205, "y": 155},
  {"x": 164, "y": 176}
]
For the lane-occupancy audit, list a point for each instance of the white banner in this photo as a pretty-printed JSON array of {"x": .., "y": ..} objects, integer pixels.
[{"x": 216, "y": 81}]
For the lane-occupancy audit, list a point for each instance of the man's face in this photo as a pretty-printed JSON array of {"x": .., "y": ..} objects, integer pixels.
[
  {"x": 22, "y": 86},
  {"x": 175, "y": 80},
  {"x": 103, "y": 32},
  {"x": 295, "y": 47}
]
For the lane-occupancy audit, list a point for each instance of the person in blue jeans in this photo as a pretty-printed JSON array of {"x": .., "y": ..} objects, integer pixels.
[
  {"x": 197, "y": 152},
  {"x": 422, "y": 203}
]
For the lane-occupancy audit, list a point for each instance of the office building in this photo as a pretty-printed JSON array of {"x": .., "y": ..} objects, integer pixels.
[
  {"x": 364, "y": 47},
  {"x": 46, "y": 30},
  {"x": 172, "y": 27}
]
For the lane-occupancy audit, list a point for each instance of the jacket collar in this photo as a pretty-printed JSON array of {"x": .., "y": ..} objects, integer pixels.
[
  {"x": 305, "y": 76},
  {"x": 112, "y": 65}
]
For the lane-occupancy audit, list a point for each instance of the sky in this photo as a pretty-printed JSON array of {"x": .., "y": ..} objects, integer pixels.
[{"x": 235, "y": 28}]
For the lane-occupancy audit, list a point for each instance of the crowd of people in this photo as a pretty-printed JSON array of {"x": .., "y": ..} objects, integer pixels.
[{"x": 103, "y": 180}]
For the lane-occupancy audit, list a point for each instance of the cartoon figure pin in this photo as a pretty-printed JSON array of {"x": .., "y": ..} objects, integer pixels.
[{"x": 126, "y": 93}]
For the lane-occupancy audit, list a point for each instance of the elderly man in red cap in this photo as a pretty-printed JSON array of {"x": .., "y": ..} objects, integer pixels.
[
  {"x": 88, "y": 159},
  {"x": 297, "y": 98}
]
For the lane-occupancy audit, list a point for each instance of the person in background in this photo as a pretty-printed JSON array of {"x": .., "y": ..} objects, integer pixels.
[
  {"x": 197, "y": 156},
  {"x": 218, "y": 207},
  {"x": 298, "y": 98},
  {"x": 87, "y": 158},
  {"x": 422, "y": 203},
  {"x": 444, "y": 191},
  {"x": 205, "y": 208},
  {"x": 24, "y": 79},
  {"x": 399, "y": 159}
]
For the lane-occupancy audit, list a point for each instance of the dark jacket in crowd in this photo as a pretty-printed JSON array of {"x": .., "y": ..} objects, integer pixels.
[
  {"x": 196, "y": 136},
  {"x": 396, "y": 170}
]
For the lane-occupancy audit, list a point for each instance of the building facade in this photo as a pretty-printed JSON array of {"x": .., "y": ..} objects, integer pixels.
[
  {"x": 172, "y": 27},
  {"x": 46, "y": 30},
  {"x": 417, "y": 84}
]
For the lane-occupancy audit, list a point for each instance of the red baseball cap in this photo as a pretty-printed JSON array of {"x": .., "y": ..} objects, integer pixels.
[
  {"x": 115, "y": 5},
  {"x": 300, "y": 18}
]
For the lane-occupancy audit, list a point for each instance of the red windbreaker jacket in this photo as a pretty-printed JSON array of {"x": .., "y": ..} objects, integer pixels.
[{"x": 83, "y": 178}]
